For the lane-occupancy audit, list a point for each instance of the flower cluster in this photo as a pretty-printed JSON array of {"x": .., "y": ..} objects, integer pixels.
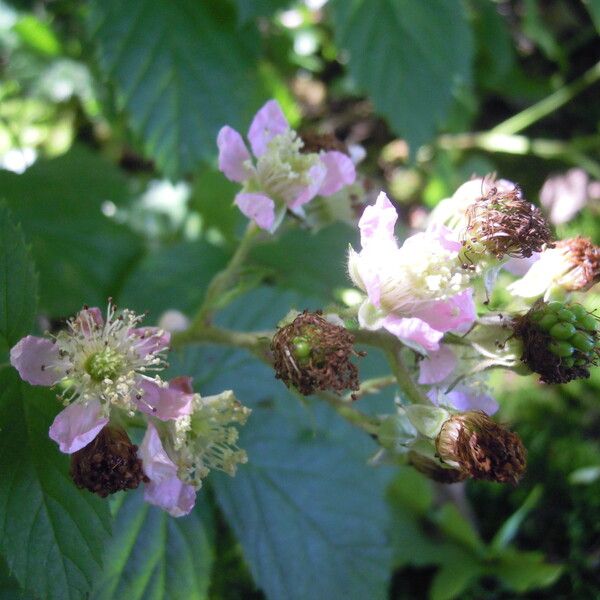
[
  {"x": 105, "y": 372},
  {"x": 282, "y": 172}
]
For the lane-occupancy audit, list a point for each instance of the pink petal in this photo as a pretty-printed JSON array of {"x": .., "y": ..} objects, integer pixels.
[
  {"x": 89, "y": 319},
  {"x": 150, "y": 340},
  {"x": 232, "y": 154},
  {"x": 340, "y": 172},
  {"x": 464, "y": 398},
  {"x": 172, "y": 495},
  {"x": 445, "y": 236},
  {"x": 437, "y": 365},
  {"x": 377, "y": 222},
  {"x": 413, "y": 331},
  {"x": 520, "y": 266},
  {"x": 316, "y": 175},
  {"x": 77, "y": 425},
  {"x": 31, "y": 357},
  {"x": 445, "y": 315},
  {"x": 182, "y": 384},
  {"x": 165, "y": 403},
  {"x": 258, "y": 207},
  {"x": 268, "y": 122},
  {"x": 165, "y": 489}
]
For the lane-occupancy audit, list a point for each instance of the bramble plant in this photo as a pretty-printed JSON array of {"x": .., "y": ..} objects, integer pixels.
[{"x": 319, "y": 339}]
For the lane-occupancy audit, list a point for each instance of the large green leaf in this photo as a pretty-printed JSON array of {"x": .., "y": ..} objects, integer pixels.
[
  {"x": 81, "y": 254},
  {"x": 250, "y": 9},
  {"x": 407, "y": 56},
  {"x": 309, "y": 513},
  {"x": 51, "y": 533},
  {"x": 153, "y": 556},
  {"x": 18, "y": 283},
  {"x": 174, "y": 277},
  {"x": 181, "y": 69},
  {"x": 313, "y": 265}
]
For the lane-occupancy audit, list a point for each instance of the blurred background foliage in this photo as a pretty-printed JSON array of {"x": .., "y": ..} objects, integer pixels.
[{"x": 108, "y": 117}]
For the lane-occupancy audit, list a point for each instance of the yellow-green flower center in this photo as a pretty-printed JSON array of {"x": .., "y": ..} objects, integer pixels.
[{"x": 106, "y": 364}]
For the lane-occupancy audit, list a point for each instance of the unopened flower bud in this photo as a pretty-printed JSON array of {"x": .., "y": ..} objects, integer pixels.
[
  {"x": 502, "y": 223},
  {"x": 479, "y": 447},
  {"x": 108, "y": 464},
  {"x": 434, "y": 470},
  {"x": 560, "y": 340},
  {"x": 313, "y": 354}
]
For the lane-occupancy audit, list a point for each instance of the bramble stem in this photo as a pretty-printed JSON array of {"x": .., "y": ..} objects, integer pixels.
[
  {"x": 221, "y": 282},
  {"x": 548, "y": 105}
]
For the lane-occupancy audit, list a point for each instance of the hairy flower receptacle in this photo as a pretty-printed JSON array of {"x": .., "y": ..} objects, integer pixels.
[
  {"x": 311, "y": 354},
  {"x": 105, "y": 364}
]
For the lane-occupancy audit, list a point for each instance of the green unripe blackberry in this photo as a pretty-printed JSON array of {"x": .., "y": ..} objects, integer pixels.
[{"x": 560, "y": 340}]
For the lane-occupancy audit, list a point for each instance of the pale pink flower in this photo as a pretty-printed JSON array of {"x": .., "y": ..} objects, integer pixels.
[
  {"x": 440, "y": 369},
  {"x": 99, "y": 363},
  {"x": 416, "y": 291},
  {"x": 166, "y": 401},
  {"x": 277, "y": 175},
  {"x": 164, "y": 489}
]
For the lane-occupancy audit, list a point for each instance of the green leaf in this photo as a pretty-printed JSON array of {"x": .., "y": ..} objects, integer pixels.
[
  {"x": 453, "y": 579},
  {"x": 181, "y": 70},
  {"x": 457, "y": 528},
  {"x": 154, "y": 556},
  {"x": 51, "y": 533},
  {"x": 408, "y": 56},
  {"x": 18, "y": 283},
  {"x": 308, "y": 511},
  {"x": 523, "y": 571},
  {"x": 174, "y": 277},
  {"x": 81, "y": 254},
  {"x": 250, "y": 9},
  {"x": 313, "y": 265},
  {"x": 593, "y": 7},
  {"x": 9, "y": 586}
]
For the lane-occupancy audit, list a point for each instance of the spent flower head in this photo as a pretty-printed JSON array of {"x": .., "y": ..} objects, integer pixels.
[
  {"x": 476, "y": 445},
  {"x": 312, "y": 354},
  {"x": 280, "y": 173}
]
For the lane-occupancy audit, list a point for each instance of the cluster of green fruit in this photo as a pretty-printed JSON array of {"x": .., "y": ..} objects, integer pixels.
[{"x": 573, "y": 331}]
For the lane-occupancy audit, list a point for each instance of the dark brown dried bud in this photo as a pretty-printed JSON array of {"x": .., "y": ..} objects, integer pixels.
[
  {"x": 478, "y": 446},
  {"x": 315, "y": 142},
  {"x": 435, "y": 470},
  {"x": 312, "y": 354},
  {"x": 503, "y": 223},
  {"x": 108, "y": 464},
  {"x": 584, "y": 257}
]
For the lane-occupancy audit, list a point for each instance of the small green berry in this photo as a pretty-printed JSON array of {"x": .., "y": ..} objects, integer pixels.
[
  {"x": 301, "y": 348},
  {"x": 554, "y": 306},
  {"x": 547, "y": 321},
  {"x": 578, "y": 310},
  {"x": 562, "y": 349},
  {"x": 581, "y": 362},
  {"x": 564, "y": 314},
  {"x": 562, "y": 331},
  {"x": 582, "y": 341},
  {"x": 587, "y": 322},
  {"x": 568, "y": 362}
]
